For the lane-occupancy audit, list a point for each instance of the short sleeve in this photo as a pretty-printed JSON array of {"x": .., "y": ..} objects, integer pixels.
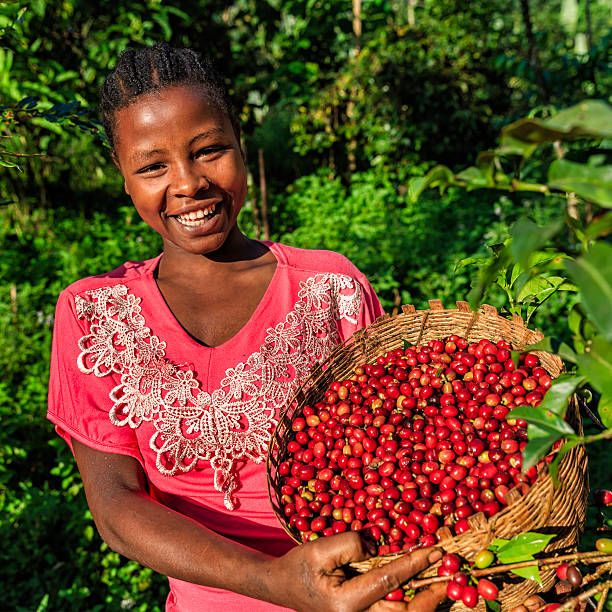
[
  {"x": 79, "y": 403},
  {"x": 369, "y": 309}
]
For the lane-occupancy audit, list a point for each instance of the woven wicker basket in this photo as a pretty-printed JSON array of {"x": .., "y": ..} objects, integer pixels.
[{"x": 543, "y": 508}]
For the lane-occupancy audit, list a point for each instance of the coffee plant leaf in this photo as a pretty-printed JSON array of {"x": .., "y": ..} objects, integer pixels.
[
  {"x": 523, "y": 547},
  {"x": 593, "y": 183},
  {"x": 558, "y": 395},
  {"x": 528, "y": 237},
  {"x": 512, "y": 146},
  {"x": 550, "y": 344},
  {"x": 492, "y": 605},
  {"x": 599, "y": 227},
  {"x": 553, "y": 466},
  {"x": 591, "y": 118},
  {"x": 488, "y": 275},
  {"x": 475, "y": 178},
  {"x": 592, "y": 272},
  {"x": 439, "y": 176},
  {"x": 605, "y": 411},
  {"x": 540, "y": 440},
  {"x": 596, "y": 364},
  {"x": 530, "y": 572},
  {"x": 545, "y": 418}
]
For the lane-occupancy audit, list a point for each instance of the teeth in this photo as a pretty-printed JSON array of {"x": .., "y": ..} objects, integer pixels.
[{"x": 196, "y": 217}]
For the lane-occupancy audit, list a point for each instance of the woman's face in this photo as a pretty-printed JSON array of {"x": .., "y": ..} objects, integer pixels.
[{"x": 183, "y": 167}]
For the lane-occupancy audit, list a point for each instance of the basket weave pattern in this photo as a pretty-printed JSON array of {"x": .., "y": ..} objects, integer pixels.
[{"x": 560, "y": 511}]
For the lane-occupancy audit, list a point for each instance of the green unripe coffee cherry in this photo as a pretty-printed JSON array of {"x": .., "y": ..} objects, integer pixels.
[
  {"x": 604, "y": 545},
  {"x": 483, "y": 559}
]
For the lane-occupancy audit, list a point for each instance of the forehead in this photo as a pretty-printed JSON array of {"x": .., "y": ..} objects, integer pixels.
[{"x": 169, "y": 114}]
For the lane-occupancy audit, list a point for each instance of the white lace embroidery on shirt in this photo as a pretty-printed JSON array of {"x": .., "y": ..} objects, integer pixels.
[{"x": 235, "y": 421}]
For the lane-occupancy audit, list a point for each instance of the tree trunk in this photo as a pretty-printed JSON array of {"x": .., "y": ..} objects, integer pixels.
[
  {"x": 263, "y": 190},
  {"x": 253, "y": 202},
  {"x": 589, "y": 25},
  {"x": 534, "y": 59},
  {"x": 350, "y": 107},
  {"x": 410, "y": 8}
]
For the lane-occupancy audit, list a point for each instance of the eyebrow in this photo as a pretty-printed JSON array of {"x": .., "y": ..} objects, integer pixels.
[{"x": 143, "y": 156}]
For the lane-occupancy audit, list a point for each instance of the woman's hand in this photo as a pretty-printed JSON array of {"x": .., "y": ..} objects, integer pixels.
[{"x": 310, "y": 577}]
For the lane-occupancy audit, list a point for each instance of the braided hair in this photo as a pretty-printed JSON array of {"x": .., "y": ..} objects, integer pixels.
[{"x": 154, "y": 68}]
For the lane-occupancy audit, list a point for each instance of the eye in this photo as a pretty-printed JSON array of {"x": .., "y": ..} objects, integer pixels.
[
  {"x": 211, "y": 152},
  {"x": 151, "y": 169}
]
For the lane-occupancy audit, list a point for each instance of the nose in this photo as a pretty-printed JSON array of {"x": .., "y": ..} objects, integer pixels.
[{"x": 187, "y": 181}]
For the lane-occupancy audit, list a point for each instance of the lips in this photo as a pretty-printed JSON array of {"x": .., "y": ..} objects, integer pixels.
[{"x": 197, "y": 217}]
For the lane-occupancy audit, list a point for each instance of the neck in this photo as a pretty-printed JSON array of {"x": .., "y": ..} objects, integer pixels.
[{"x": 238, "y": 249}]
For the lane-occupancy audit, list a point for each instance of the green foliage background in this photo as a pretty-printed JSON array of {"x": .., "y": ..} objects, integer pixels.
[{"x": 343, "y": 123}]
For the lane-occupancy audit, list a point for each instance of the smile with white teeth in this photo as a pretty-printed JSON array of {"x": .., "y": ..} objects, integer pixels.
[{"x": 196, "y": 217}]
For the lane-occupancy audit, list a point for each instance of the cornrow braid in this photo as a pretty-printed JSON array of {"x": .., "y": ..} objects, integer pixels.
[{"x": 154, "y": 68}]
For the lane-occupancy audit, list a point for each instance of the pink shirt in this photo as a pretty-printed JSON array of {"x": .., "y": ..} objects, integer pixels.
[{"x": 127, "y": 378}]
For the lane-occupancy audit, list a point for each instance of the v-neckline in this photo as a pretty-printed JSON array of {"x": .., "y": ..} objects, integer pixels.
[{"x": 164, "y": 309}]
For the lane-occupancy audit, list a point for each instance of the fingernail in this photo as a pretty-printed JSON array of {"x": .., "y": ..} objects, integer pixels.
[{"x": 435, "y": 555}]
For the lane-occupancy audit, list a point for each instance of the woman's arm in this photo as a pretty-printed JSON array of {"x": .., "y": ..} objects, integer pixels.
[{"x": 308, "y": 577}]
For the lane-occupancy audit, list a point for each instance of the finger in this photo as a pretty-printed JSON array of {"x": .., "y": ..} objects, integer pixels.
[
  {"x": 428, "y": 600},
  {"x": 388, "y": 606},
  {"x": 339, "y": 550},
  {"x": 374, "y": 585}
]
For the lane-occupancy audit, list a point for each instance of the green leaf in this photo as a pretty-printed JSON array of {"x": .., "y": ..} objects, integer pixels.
[
  {"x": 539, "y": 442},
  {"x": 553, "y": 345},
  {"x": 487, "y": 277},
  {"x": 530, "y": 572},
  {"x": 492, "y": 605},
  {"x": 440, "y": 176},
  {"x": 528, "y": 237},
  {"x": 562, "y": 388},
  {"x": 496, "y": 544},
  {"x": 544, "y": 419},
  {"x": 596, "y": 364},
  {"x": 524, "y": 546},
  {"x": 592, "y": 272},
  {"x": 589, "y": 118},
  {"x": 592, "y": 183},
  {"x": 553, "y": 466},
  {"x": 469, "y": 261},
  {"x": 474, "y": 177},
  {"x": 603, "y": 225},
  {"x": 605, "y": 410}
]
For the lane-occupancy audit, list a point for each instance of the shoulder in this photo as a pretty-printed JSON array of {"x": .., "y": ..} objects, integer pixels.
[
  {"x": 131, "y": 273},
  {"x": 317, "y": 261}
]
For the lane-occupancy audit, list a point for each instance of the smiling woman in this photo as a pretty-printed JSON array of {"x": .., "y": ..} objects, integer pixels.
[{"x": 168, "y": 375}]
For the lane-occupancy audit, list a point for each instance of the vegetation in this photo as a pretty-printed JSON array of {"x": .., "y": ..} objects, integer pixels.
[{"x": 350, "y": 113}]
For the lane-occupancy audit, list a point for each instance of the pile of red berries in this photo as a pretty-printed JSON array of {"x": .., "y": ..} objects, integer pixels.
[
  {"x": 459, "y": 589},
  {"x": 422, "y": 438}
]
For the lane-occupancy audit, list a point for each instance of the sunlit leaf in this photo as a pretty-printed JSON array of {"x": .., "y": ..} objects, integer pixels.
[
  {"x": 596, "y": 364},
  {"x": 592, "y": 183},
  {"x": 562, "y": 388},
  {"x": 524, "y": 546},
  {"x": 440, "y": 176},
  {"x": 598, "y": 228},
  {"x": 588, "y": 118},
  {"x": 530, "y": 572},
  {"x": 487, "y": 277},
  {"x": 546, "y": 419},
  {"x": 592, "y": 272},
  {"x": 527, "y": 237},
  {"x": 553, "y": 466},
  {"x": 474, "y": 178},
  {"x": 604, "y": 410}
]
